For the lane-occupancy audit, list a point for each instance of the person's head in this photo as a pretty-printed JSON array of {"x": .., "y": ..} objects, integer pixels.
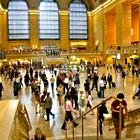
[
  {"x": 68, "y": 97},
  {"x": 38, "y": 131},
  {"x": 120, "y": 96},
  {"x": 48, "y": 94},
  {"x": 103, "y": 102},
  {"x": 60, "y": 86},
  {"x": 44, "y": 92},
  {"x": 81, "y": 92},
  {"x": 52, "y": 75}
]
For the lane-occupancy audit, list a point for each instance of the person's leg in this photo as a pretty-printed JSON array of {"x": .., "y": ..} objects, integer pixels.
[
  {"x": 47, "y": 113},
  {"x": 0, "y": 94},
  {"x": 71, "y": 119},
  {"x": 101, "y": 131},
  {"x": 52, "y": 86},
  {"x": 51, "y": 113}
]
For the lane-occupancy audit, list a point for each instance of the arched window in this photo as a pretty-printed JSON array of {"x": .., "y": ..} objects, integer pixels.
[
  {"x": 48, "y": 20},
  {"x": 18, "y": 20},
  {"x": 78, "y": 20}
]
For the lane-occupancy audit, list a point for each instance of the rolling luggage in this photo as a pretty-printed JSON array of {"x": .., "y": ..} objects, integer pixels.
[{"x": 113, "y": 84}]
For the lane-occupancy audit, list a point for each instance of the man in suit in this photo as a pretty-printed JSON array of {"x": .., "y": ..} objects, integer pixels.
[{"x": 109, "y": 79}]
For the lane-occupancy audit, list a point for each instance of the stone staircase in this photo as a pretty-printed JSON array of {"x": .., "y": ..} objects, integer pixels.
[{"x": 14, "y": 121}]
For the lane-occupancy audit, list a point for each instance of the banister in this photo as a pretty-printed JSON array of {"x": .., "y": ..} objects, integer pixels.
[
  {"x": 30, "y": 126},
  {"x": 24, "y": 112},
  {"x": 96, "y": 106}
]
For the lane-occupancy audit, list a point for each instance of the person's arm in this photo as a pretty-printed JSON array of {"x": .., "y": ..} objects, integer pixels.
[
  {"x": 113, "y": 110},
  {"x": 126, "y": 111}
]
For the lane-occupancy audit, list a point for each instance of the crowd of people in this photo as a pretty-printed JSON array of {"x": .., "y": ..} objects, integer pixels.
[{"x": 69, "y": 91}]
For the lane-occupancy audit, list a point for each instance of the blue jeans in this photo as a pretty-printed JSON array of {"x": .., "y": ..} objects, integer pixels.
[{"x": 102, "y": 92}]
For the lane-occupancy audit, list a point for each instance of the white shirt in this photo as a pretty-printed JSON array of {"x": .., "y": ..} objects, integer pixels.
[
  {"x": 66, "y": 80},
  {"x": 101, "y": 83}
]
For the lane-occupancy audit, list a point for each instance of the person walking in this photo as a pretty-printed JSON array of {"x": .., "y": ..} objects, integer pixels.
[
  {"x": 68, "y": 114},
  {"x": 52, "y": 80},
  {"x": 49, "y": 104},
  {"x": 115, "y": 108}
]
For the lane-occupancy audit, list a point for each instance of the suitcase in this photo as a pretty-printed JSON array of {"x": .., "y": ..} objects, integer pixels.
[{"x": 113, "y": 84}]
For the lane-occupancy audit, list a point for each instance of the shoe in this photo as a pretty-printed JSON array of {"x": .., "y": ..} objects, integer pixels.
[
  {"x": 53, "y": 116},
  {"x": 75, "y": 125},
  {"x": 117, "y": 137},
  {"x": 92, "y": 114},
  {"x": 47, "y": 120},
  {"x": 63, "y": 128}
]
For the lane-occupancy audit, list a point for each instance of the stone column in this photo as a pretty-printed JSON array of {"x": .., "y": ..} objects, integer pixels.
[
  {"x": 91, "y": 42},
  {"x": 64, "y": 30},
  {"x": 123, "y": 27},
  {"x": 4, "y": 31},
  {"x": 123, "y": 24},
  {"x": 34, "y": 29}
]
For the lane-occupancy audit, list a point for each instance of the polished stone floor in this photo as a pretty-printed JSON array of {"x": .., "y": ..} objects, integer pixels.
[{"x": 52, "y": 128}]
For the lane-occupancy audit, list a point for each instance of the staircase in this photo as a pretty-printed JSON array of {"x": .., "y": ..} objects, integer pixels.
[
  {"x": 14, "y": 122},
  {"x": 130, "y": 132}
]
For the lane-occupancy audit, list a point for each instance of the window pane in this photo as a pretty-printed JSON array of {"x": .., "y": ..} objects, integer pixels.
[
  {"x": 48, "y": 20},
  {"x": 18, "y": 19},
  {"x": 78, "y": 20}
]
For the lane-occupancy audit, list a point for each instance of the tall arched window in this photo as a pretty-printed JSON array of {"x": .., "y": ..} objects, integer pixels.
[
  {"x": 48, "y": 20},
  {"x": 78, "y": 20},
  {"x": 18, "y": 20}
]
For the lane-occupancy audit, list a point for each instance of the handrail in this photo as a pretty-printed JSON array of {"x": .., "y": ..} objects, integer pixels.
[
  {"x": 30, "y": 126},
  {"x": 97, "y": 106},
  {"x": 93, "y": 108},
  {"x": 24, "y": 113}
]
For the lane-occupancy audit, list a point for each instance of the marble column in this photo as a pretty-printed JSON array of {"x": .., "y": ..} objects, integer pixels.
[
  {"x": 34, "y": 30},
  {"x": 64, "y": 31}
]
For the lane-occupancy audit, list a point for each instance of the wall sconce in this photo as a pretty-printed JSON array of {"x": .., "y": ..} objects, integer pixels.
[
  {"x": 135, "y": 51},
  {"x": 107, "y": 52},
  {"x": 132, "y": 31},
  {"x": 125, "y": 51},
  {"x": 113, "y": 52}
]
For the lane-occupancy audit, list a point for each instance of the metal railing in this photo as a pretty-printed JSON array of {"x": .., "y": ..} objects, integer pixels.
[
  {"x": 22, "y": 111},
  {"x": 97, "y": 130}
]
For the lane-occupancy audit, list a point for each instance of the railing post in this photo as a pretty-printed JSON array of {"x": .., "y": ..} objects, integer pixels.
[
  {"x": 73, "y": 131},
  {"x": 82, "y": 127},
  {"x": 120, "y": 119},
  {"x": 97, "y": 123},
  {"x": 66, "y": 130}
]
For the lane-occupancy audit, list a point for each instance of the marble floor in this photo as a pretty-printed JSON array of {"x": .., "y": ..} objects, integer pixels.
[{"x": 52, "y": 128}]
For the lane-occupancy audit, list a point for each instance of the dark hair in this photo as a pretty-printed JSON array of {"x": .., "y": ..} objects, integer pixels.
[
  {"x": 68, "y": 96},
  {"x": 120, "y": 96}
]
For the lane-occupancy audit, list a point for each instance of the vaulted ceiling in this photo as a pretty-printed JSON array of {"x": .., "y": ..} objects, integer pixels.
[{"x": 63, "y": 4}]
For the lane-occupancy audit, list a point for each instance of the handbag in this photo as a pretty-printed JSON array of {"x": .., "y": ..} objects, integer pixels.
[{"x": 107, "y": 116}]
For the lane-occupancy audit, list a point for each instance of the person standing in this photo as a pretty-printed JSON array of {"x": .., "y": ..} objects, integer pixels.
[
  {"x": 1, "y": 88},
  {"x": 49, "y": 104},
  {"x": 52, "y": 80},
  {"x": 68, "y": 115},
  {"x": 109, "y": 79},
  {"x": 101, "y": 85},
  {"x": 102, "y": 110},
  {"x": 115, "y": 108}
]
